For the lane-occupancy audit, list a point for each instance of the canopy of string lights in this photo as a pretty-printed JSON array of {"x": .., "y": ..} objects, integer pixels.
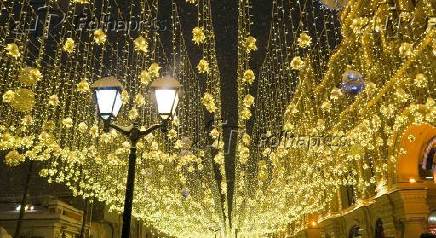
[{"x": 339, "y": 81}]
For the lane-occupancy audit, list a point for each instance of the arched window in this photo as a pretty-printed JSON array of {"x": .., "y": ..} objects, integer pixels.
[
  {"x": 426, "y": 165},
  {"x": 354, "y": 232},
  {"x": 379, "y": 230}
]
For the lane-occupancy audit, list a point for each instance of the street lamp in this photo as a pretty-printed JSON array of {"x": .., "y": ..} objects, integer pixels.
[
  {"x": 107, "y": 94},
  {"x": 166, "y": 91}
]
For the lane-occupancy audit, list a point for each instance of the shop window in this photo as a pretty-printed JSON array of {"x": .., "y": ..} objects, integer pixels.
[{"x": 427, "y": 164}]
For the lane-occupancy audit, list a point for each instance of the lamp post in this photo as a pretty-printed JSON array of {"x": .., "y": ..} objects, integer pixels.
[{"x": 107, "y": 94}]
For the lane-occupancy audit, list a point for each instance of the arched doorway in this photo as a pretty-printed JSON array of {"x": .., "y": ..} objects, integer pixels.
[
  {"x": 379, "y": 230},
  {"x": 427, "y": 167},
  {"x": 415, "y": 140}
]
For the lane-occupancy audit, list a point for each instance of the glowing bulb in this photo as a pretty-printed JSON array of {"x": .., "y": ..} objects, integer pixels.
[{"x": 412, "y": 180}]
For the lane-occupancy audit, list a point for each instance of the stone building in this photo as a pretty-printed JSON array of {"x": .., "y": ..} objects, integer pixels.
[
  {"x": 52, "y": 212},
  {"x": 404, "y": 207}
]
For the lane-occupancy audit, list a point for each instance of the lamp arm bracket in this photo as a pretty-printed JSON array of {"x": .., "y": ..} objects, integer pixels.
[
  {"x": 152, "y": 128},
  {"x": 133, "y": 132},
  {"x": 125, "y": 130}
]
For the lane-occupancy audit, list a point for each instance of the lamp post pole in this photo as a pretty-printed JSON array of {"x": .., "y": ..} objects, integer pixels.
[
  {"x": 134, "y": 134},
  {"x": 107, "y": 92}
]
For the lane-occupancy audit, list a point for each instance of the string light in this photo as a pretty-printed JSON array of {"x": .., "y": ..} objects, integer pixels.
[
  {"x": 60, "y": 128},
  {"x": 341, "y": 139},
  {"x": 281, "y": 188}
]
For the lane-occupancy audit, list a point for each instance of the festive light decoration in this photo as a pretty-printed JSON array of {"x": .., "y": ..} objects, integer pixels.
[
  {"x": 304, "y": 88},
  {"x": 203, "y": 67},
  {"x": 297, "y": 63},
  {"x": 304, "y": 40},
  {"x": 249, "y": 76},
  {"x": 13, "y": 50},
  {"x": 282, "y": 187},
  {"x": 198, "y": 35},
  {"x": 99, "y": 37},
  {"x": 141, "y": 44},
  {"x": 69, "y": 45},
  {"x": 29, "y": 76},
  {"x": 352, "y": 82},
  {"x": 48, "y": 115}
]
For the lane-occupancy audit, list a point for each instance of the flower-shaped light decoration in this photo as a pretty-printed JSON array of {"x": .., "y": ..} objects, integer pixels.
[
  {"x": 420, "y": 80},
  {"x": 248, "y": 100},
  {"x": 93, "y": 131},
  {"x": 133, "y": 114},
  {"x": 82, "y": 127},
  {"x": 154, "y": 69},
  {"x": 248, "y": 77},
  {"x": 29, "y": 76},
  {"x": 99, "y": 37},
  {"x": 250, "y": 44},
  {"x": 214, "y": 133},
  {"x": 172, "y": 134},
  {"x": 69, "y": 45},
  {"x": 139, "y": 100},
  {"x": 125, "y": 97},
  {"x": 326, "y": 106},
  {"x": 8, "y": 96},
  {"x": 209, "y": 102},
  {"x": 14, "y": 158},
  {"x": 203, "y": 66},
  {"x": 145, "y": 77},
  {"x": 246, "y": 113},
  {"x": 141, "y": 44},
  {"x": 297, "y": 63},
  {"x": 406, "y": 49},
  {"x": 13, "y": 50},
  {"x": 246, "y": 139},
  {"x": 67, "y": 122},
  {"x": 244, "y": 154},
  {"x": 304, "y": 40},
  {"x": 53, "y": 100},
  {"x": 23, "y": 100},
  {"x": 198, "y": 36},
  {"x": 83, "y": 86}
]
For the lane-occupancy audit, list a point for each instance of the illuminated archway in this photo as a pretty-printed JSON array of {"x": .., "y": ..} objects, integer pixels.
[{"x": 412, "y": 145}]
